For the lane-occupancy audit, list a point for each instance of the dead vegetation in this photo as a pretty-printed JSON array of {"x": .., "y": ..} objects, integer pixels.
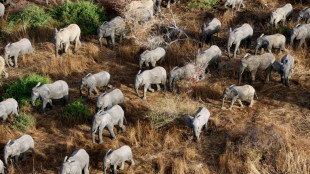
[{"x": 271, "y": 137}]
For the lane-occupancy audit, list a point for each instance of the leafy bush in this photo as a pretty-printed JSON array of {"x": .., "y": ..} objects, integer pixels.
[
  {"x": 201, "y": 4},
  {"x": 23, "y": 122},
  {"x": 32, "y": 18},
  {"x": 83, "y": 13},
  {"x": 285, "y": 30},
  {"x": 75, "y": 112},
  {"x": 21, "y": 91}
]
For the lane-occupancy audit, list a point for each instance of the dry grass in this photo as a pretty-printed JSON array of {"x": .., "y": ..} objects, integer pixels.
[
  {"x": 70, "y": 63},
  {"x": 266, "y": 149},
  {"x": 169, "y": 108},
  {"x": 129, "y": 53},
  {"x": 270, "y": 137}
]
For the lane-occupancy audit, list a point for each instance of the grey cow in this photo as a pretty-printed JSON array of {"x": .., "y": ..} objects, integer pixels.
[
  {"x": 244, "y": 32},
  {"x": 8, "y": 107},
  {"x": 2, "y": 67},
  {"x": 133, "y": 5},
  {"x": 77, "y": 163},
  {"x": 2, "y": 10},
  {"x": 141, "y": 14},
  {"x": 92, "y": 81},
  {"x": 270, "y": 41},
  {"x": 304, "y": 14},
  {"x": 157, "y": 4},
  {"x": 108, "y": 99},
  {"x": 211, "y": 55},
  {"x": 109, "y": 30},
  {"x": 151, "y": 57},
  {"x": 157, "y": 75},
  {"x": 57, "y": 90},
  {"x": 64, "y": 36},
  {"x": 198, "y": 122},
  {"x": 140, "y": 11},
  {"x": 180, "y": 73},
  {"x": 233, "y": 3},
  {"x": 10, "y": 3},
  {"x": 285, "y": 68},
  {"x": 62, "y": 1},
  {"x": 112, "y": 116},
  {"x": 2, "y": 167},
  {"x": 253, "y": 63},
  {"x": 280, "y": 14},
  {"x": 300, "y": 32},
  {"x": 238, "y": 93},
  {"x": 174, "y": 2},
  {"x": 15, "y": 49},
  {"x": 14, "y": 148},
  {"x": 209, "y": 29},
  {"x": 119, "y": 155}
]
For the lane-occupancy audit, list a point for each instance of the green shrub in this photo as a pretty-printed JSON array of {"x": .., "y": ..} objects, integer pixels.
[
  {"x": 23, "y": 122},
  {"x": 83, "y": 13},
  {"x": 285, "y": 30},
  {"x": 75, "y": 112},
  {"x": 21, "y": 90},
  {"x": 31, "y": 18},
  {"x": 201, "y": 4}
]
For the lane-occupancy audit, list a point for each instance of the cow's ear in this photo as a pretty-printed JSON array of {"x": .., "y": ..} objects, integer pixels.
[
  {"x": 198, "y": 51},
  {"x": 265, "y": 43},
  {"x": 108, "y": 153},
  {"x": 38, "y": 84},
  {"x": 234, "y": 92},
  {"x": 89, "y": 74},
  {"x": 188, "y": 121},
  {"x": 101, "y": 111},
  {"x": 246, "y": 55}
]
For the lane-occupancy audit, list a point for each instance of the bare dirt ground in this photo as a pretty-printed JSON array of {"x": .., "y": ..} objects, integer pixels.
[{"x": 270, "y": 137}]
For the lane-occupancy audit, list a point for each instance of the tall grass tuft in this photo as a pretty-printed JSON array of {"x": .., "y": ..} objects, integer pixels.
[
  {"x": 23, "y": 122},
  {"x": 75, "y": 112}
]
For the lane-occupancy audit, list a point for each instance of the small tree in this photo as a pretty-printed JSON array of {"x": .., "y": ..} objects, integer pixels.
[
  {"x": 29, "y": 19},
  {"x": 75, "y": 112},
  {"x": 87, "y": 15}
]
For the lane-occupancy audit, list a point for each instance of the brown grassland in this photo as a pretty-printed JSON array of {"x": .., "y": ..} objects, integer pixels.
[{"x": 271, "y": 137}]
